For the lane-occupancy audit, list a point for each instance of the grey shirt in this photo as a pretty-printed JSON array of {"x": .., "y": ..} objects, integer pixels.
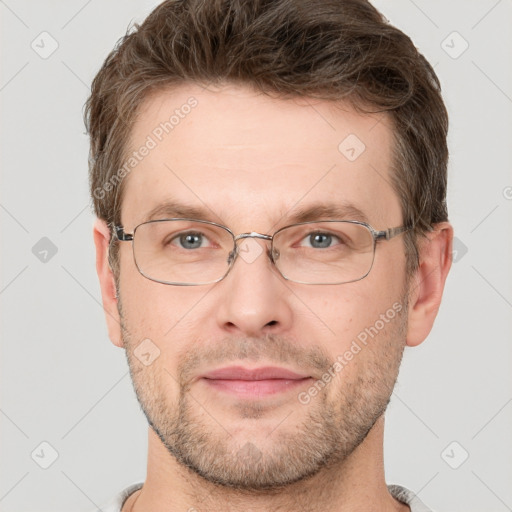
[{"x": 400, "y": 493}]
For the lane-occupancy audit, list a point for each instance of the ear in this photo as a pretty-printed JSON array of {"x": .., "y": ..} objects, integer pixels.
[
  {"x": 427, "y": 285},
  {"x": 101, "y": 234}
]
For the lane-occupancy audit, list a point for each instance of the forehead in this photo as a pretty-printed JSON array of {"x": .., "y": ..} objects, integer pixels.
[{"x": 250, "y": 159}]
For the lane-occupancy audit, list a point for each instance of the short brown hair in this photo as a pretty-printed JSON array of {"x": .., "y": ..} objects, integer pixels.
[{"x": 325, "y": 49}]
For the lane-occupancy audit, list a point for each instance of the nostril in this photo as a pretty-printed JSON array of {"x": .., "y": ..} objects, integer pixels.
[{"x": 273, "y": 322}]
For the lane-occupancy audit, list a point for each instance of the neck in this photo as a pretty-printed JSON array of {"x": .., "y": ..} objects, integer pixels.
[{"x": 356, "y": 484}]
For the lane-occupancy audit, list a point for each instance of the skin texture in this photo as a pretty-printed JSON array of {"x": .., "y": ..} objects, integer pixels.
[{"x": 250, "y": 161}]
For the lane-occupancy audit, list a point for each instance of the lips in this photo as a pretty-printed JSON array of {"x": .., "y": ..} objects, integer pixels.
[
  {"x": 254, "y": 383},
  {"x": 265, "y": 373}
]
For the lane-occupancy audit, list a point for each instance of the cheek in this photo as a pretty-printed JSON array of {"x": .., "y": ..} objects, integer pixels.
[
  {"x": 155, "y": 339},
  {"x": 167, "y": 316},
  {"x": 152, "y": 309},
  {"x": 353, "y": 309},
  {"x": 158, "y": 314}
]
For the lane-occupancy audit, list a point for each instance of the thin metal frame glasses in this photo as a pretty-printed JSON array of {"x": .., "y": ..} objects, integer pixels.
[{"x": 158, "y": 256}]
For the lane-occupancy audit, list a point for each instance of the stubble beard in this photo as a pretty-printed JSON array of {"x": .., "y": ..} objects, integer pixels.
[{"x": 333, "y": 424}]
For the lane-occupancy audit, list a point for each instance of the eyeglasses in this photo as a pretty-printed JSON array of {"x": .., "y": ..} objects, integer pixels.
[{"x": 190, "y": 252}]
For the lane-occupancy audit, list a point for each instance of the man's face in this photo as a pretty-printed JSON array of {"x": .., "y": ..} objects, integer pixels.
[{"x": 250, "y": 162}]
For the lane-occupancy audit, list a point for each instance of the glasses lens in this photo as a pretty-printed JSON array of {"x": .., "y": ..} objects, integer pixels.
[
  {"x": 182, "y": 251},
  {"x": 324, "y": 252}
]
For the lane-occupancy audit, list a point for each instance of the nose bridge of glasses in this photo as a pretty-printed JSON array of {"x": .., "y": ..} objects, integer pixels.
[
  {"x": 252, "y": 234},
  {"x": 243, "y": 236}
]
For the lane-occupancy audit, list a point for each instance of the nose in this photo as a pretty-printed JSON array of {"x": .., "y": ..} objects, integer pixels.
[{"x": 253, "y": 299}]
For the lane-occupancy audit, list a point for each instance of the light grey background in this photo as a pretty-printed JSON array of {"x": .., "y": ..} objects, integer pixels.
[{"x": 63, "y": 382}]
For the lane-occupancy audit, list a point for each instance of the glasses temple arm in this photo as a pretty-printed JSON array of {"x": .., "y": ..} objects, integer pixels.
[
  {"x": 121, "y": 235},
  {"x": 391, "y": 232}
]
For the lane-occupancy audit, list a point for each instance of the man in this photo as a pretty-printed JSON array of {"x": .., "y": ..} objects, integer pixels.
[{"x": 269, "y": 180}]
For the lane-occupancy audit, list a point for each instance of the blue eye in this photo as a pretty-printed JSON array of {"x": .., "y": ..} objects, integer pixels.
[
  {"x": 320, "y": 240},
  {"x": 189, "y": 240}
]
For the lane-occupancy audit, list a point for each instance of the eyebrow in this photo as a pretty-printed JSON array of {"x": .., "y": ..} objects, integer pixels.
[
  {"x": 341, "y": 211},
  {"x": 318, "y": 211},
  {"x": 174, "y": 209}
]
